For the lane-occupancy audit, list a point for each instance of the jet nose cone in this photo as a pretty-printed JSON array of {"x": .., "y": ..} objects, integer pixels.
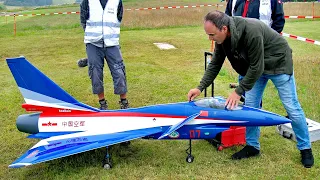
[{"x": 281, "y": 120}]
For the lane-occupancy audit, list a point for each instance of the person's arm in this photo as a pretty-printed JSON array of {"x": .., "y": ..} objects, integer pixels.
[
  {"x": 213, "y": 67},
  {"x": 84, "y": 13},
  {"x": 256, "y": 64},
  {"x": 277, "y": 16},
  {"x": 229, "y": 8},
  {"x": 120, "y": 11}
]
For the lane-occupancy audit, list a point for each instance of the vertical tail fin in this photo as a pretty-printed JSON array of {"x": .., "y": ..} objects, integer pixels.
[{"x": 38, "y": 90}]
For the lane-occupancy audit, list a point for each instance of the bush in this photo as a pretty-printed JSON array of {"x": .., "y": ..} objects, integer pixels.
[{"x": 2, "y": 7}]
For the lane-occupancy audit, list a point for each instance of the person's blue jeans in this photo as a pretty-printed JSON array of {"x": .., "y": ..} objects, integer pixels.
[
  {"x": 244, "y": 94},
  {"x": 286, "y": 87}
]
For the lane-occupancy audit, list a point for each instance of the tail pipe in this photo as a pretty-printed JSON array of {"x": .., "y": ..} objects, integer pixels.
[{"x": 28, "y": 123}]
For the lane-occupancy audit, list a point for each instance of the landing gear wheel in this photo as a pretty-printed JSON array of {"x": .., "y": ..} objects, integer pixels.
[
  {"x": 189, "y": 159},
  {"x": 107, "y": 162},
  {"x": 107, "y": 165},
  {"x": 220, "y": 148}
]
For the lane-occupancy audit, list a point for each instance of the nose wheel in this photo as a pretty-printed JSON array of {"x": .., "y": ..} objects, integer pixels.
[{"x": 189, "y": 158}]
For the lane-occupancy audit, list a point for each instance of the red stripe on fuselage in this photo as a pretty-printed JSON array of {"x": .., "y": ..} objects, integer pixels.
[
  {"x": 58, "y": 112},
  {"x": 108, "y": 114},
  {"x": 45, "y": 109}
]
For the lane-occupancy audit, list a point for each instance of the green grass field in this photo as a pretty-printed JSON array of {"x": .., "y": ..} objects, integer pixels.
[{"x": 54, "y": 43}]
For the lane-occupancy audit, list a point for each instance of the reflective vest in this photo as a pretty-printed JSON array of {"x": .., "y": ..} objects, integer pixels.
[
  {"x": 265, "y": 11},
  {"x": 103, "y": 24}
]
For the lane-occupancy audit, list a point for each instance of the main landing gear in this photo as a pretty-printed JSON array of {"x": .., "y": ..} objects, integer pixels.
[
  {"x": 107, "y": 162},
  {"x": 189, "y": 158}
]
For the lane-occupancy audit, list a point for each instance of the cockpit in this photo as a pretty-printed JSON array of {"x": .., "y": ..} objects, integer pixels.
[{"x": 214, "y": 102}]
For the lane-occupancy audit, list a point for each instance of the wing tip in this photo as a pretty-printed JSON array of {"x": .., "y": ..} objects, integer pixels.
[{"x": 19, "y": 165}]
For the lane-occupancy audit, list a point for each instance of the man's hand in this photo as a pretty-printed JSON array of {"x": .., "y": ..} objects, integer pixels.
[
  {"x": 193, "y": 93},
  {"x": 233, "y": 100}
]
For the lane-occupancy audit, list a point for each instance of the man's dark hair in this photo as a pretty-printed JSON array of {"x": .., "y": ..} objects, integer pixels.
[{"x": 219, "y": 19}]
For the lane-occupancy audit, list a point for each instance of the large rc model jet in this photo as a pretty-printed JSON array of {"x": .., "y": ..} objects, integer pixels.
[{"x": 67, "y": 126}]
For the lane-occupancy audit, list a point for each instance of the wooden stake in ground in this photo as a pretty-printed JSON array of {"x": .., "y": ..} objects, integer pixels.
[
  {"x": 313, "y": 10},
  {"x": 14, "y": 25}
]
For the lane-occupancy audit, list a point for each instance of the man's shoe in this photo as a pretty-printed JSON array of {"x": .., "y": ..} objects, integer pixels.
[
  {"x": 124, "y": 104},
  {"x": 103, "y": 105},
  {"x": 246, "y": 152},
  {"x": 307, "y": 158},
  {"x": 83, "y": 62}
]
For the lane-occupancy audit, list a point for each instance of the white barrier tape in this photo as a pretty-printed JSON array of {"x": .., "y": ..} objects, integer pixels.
[
  {"x": 137, "y": 9},
  {"x": 300, "y": 38},
  {"x": 160, "y": 8},
  {"x": 300, "y": 2},
  {"x": 176, "y": 7},
  {"x": 301, "y": 17},
  {"x": 46, "y": 14}
]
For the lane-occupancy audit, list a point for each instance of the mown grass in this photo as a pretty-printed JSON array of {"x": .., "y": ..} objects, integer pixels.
[{"x": 54, "y": 43}]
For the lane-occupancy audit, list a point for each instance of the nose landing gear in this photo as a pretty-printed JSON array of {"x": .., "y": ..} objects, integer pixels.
[{"x": 189, "y": 158}]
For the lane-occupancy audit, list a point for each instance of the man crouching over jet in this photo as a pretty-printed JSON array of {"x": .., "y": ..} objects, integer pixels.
[{"x": 258, "y": 53}]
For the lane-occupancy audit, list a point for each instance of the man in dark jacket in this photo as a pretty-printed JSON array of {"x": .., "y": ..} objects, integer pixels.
[
  {"x": 268, "y": 11},
  {"x": 258, "y": 53}
]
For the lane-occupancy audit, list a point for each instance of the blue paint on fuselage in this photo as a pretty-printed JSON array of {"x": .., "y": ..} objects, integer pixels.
[{"x": 245, "y": 116}]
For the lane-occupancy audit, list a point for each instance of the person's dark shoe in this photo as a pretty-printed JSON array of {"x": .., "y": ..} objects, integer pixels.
[
  {"x": 307, "y": 158},
  {"x": 246, "y": 152},
  {"x": 124, "y": 104},
  {"x": 83, "y": 62},
  {"x": 103, "y": 104}
]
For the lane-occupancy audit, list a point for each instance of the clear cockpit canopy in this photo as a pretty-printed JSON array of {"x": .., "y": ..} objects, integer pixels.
[{"x": 213, "y": 102}]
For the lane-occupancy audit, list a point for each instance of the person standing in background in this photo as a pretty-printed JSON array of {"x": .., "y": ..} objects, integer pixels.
[
  {"x": 268, "y": 11},
  {"x": 101, "y": 20}
]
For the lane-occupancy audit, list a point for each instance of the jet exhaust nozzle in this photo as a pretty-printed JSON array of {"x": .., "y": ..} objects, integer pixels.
[{"x": 28, "y": 123}]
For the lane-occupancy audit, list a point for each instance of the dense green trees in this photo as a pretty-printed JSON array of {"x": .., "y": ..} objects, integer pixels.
[{"x": 27, "y": 2}]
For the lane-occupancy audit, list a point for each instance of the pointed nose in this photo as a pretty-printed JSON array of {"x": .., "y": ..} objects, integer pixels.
[
  {"x": 283, "y": 120},
  {"x": 277, "y": 119}
]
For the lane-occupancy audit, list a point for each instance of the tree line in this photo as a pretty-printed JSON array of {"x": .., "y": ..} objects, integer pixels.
[
  {"x": 32, "y": 2},
  {"x": 28, "y": 2}
]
